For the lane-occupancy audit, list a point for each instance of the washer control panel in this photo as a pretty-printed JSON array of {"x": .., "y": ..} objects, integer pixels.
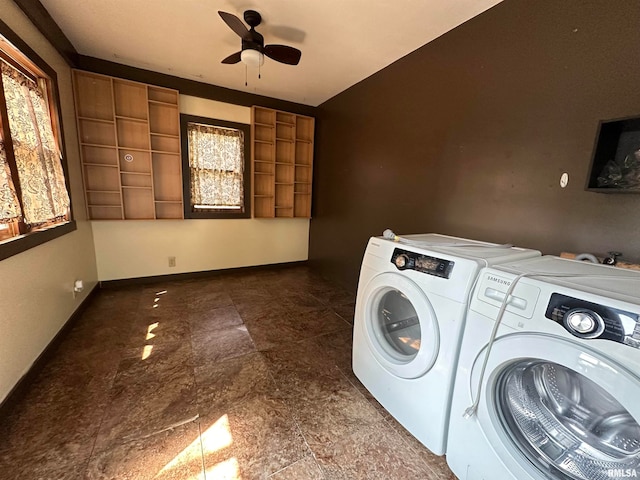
[
  {"x": 590, "y": 320},
  {"x": 405, "y": 260}
]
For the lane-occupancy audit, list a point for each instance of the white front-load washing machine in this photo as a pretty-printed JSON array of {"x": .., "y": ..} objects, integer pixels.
[
  {"x": 410, "y": 309},
  {"x": 558, "y": 393}
]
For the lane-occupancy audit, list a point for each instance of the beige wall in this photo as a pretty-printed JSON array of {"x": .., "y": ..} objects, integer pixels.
[
  {"x": 130, "y": 249},
  {"x": 36, "y": 286},
  {"x": 133, "y": 249}
]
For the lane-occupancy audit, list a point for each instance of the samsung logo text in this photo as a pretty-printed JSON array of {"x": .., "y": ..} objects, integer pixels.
[{"x": 499, "y": 280}]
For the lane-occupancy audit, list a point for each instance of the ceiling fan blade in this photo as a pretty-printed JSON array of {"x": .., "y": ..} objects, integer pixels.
[
  {"x": 283, "y": 54},
  {"x": 233, "y": 58},
  {"x": 235, "y": 24}
]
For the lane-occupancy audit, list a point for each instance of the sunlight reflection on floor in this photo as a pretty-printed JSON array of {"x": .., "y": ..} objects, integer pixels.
[
  {"x": 157, "y": 299},
  {"x": 146, "y": 351},
  {"x": 217, "y": 437},
  {"x": 227, "y": 470},
  {"x": 190, "y": 454},
  {"x": 150, "y": 329}
]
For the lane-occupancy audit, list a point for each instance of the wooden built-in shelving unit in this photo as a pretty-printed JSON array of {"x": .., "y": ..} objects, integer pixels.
[
  {"x": 130, "y": 148},
  {"x": 282, "y": 159}
]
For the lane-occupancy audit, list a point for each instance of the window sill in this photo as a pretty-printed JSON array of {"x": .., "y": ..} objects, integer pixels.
[
  {"x": 215, "y": 214},
  {"x": 22, "y": 243}
]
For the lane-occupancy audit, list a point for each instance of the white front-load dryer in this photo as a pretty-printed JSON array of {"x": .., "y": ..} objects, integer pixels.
[
  {"x": 558, "y": 389},
  {"x": 410, "y": 309}
]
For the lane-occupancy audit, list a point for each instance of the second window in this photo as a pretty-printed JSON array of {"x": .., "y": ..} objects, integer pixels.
[{"x": 215, "y": 165}]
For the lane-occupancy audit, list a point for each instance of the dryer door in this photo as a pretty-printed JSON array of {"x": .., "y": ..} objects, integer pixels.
[
  {"x": 569, "y": 411},
  {"x": 401, "y": 327}
]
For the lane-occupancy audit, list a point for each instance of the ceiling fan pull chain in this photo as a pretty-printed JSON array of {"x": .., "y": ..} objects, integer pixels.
[
  {"x": 259, "y": 77},
  {"x": 245, "y": 75}
]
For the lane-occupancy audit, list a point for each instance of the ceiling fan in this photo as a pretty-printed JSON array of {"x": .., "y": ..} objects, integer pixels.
[{"x": 253, "y": 47}]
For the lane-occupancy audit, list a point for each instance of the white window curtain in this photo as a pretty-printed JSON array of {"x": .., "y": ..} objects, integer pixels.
[
  {"x": 216, "y": 161},
  {"x": 44, "y": 193}
]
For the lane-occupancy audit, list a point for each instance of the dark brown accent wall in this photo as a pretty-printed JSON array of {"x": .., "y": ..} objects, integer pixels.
[{"x": 469, "y": 135}]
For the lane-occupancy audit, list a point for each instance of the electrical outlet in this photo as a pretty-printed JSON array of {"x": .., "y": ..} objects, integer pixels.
[
  {"x": 172, "y": 261},
  {"x": 78, "y": 286}
]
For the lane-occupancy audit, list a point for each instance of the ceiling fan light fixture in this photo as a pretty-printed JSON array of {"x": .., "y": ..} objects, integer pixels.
[{"x": 252, "y": 58}]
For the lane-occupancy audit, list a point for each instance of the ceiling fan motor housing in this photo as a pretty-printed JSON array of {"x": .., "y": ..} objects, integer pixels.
[
  {"x": 256, "y": 42},
  {"x": 252, "y": 18}
]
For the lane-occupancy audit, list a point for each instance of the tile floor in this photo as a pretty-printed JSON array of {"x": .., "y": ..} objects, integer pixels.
[{"x": 240, "y": 375}]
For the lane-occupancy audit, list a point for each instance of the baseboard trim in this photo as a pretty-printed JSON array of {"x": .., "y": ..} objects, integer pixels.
[
  {"x": 126, "y": 282},
  {"x": 20, "y": 389}
]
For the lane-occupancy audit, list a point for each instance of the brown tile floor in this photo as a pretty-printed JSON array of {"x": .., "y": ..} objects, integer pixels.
[{"x": 241, "y": 375}]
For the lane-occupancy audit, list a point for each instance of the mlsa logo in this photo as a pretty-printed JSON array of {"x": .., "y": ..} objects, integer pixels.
[{"x": 622, "y": 473}]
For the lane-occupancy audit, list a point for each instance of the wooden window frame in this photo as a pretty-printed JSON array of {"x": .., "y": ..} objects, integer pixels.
[
  {"x": 189, "y": 212},
  {"x": 30, "y": 63}
]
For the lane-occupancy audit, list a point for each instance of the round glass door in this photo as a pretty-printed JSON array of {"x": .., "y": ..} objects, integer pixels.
[
  {"x": 566, "y": 424},
  {"x": 398, "y": 324},
  {"x": 401, "y": 326}
]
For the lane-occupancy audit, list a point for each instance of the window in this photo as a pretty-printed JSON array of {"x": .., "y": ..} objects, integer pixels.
[
  {"x": 215, "y": 157},
  {"x": 33, "y": 188}
]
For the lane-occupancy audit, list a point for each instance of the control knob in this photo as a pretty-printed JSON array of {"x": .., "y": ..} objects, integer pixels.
[
  {"x": 584, "y": 323},
  {"x": 401, "y": 261}
]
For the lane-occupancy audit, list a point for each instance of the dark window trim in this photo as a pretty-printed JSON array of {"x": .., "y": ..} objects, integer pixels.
[
  {"x": 186, "y": 175},
  {"x": 22, "y": 243},
  {"x": 33, "y": 239}
]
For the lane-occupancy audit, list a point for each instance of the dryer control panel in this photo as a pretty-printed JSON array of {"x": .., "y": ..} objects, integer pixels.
[
  {"x": 405, "y": 260},
  {"x": 585, "y": 319}
]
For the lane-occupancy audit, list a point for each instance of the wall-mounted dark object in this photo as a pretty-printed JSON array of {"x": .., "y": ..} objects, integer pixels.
[{"x": 615, "y": 165}]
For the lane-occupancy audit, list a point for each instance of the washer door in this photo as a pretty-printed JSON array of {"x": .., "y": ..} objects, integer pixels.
[
  {"x": 571, "y": 412},
  {"x": 565, "y": 422},
  {"x": 400, "y": 324}
]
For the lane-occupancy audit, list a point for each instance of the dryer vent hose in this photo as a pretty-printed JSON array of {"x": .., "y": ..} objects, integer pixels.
[{"x": 587, "y": 257}]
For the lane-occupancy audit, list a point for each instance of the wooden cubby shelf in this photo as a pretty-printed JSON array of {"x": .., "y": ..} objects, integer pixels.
[
  {"x": 130, "y": 148},
  {"x": 99, "y": 120},
  {"x": 158, "y": 102},
  {"x": 100, "y": 165},
  {"x": 282, "y": 161}
]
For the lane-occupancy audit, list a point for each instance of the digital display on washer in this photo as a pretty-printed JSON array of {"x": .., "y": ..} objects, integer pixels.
[{"x": 405, "y": 260}]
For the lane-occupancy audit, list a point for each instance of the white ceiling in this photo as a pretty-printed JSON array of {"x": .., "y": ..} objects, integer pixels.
[{"x": 342, "y": 41}]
